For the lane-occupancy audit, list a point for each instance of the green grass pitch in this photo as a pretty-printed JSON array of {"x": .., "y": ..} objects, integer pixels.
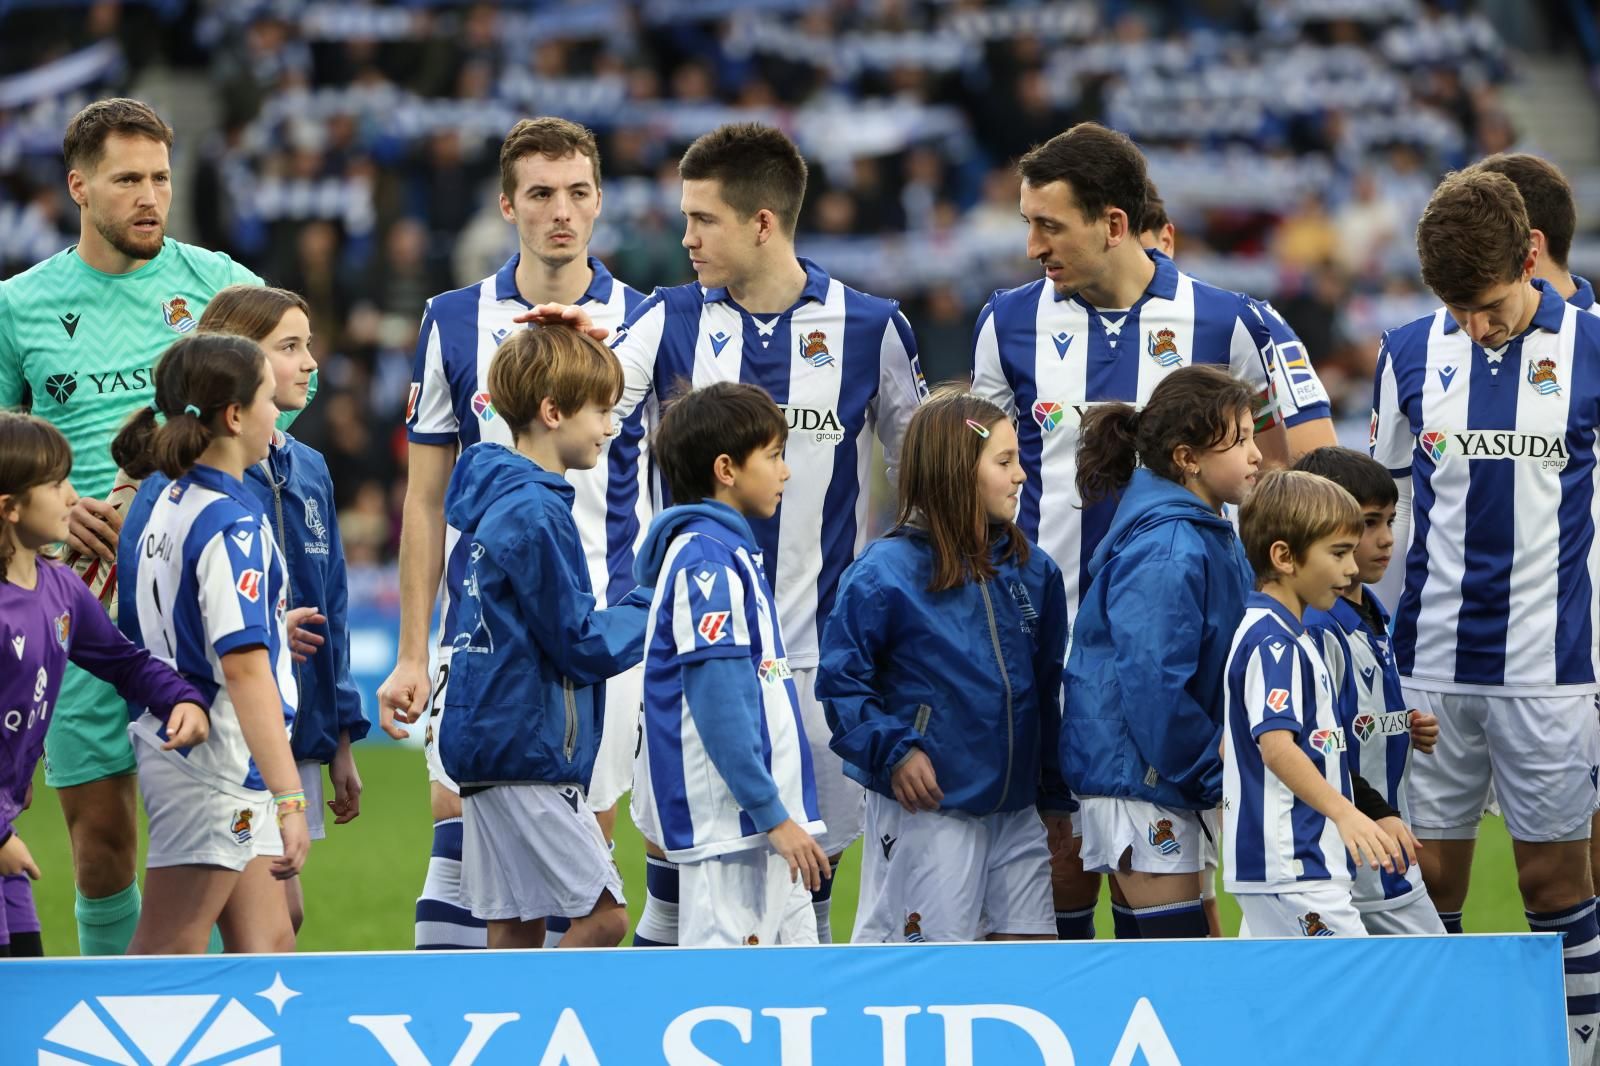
[{"x": 361, "y": 882}]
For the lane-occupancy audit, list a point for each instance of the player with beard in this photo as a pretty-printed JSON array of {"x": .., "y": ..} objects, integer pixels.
[{"x": 79, "y": 334}]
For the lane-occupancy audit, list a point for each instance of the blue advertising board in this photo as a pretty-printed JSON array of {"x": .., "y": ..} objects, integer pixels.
[{"x": 1463, "y": 999}]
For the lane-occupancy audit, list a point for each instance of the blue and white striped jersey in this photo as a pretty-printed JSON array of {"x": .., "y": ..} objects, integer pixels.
[
  {"x": 449, "y": 405},
  {"x": 1047, "y": 359},
  {"x": 211, "y": 581},
  {"x": 841, "y": 364},
  {"x": 1277, "y": 680},
  {"x": 712, "y": 600},
  {"x": 1500, "y": 448},
  {"x": 1377, "y": 725}
]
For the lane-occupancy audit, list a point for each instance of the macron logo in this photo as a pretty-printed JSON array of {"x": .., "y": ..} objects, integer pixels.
[
  {"x": 1277, "y": 650},
  {"x": 718, "y": 341},
  {"x": 706, "y": 582},
  {"x": 1063, "y": 341}
]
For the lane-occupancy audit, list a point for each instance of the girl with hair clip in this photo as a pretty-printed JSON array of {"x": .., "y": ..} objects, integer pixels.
[
  {"x": 1142, "y": 726},
  {"x": 941, "y": 674},
  {"x": 210, "y": 596},
  {"x": 49, "y": 617},
  {"x": 293, "y": 485}
]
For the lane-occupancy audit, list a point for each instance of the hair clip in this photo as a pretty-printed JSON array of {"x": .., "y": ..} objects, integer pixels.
[
  {"x": 979, "y": 428},
  {"x": 191, "y": 409},
  {"x": 156, "y": 407}
]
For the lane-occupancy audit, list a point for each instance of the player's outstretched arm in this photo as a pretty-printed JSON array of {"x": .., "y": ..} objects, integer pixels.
[{"x": 562, "y": 314}]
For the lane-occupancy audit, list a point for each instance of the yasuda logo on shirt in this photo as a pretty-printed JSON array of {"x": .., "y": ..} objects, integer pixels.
[
  {"x": 1549, "y": 450},
  {"x": 1328, "y": 741},
  {"x": 821, "y": 424},
  {"x": 483, "y": 407},
  {"x": 1048, "y": 414}
]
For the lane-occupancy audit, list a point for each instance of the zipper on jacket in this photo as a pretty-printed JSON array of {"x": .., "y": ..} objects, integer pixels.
[
  {"x": 920, "y": 723},
  {"x": 288, "y": 589},
  {"x": 1005, "y": 679},
  {"x": 569, "y": 699}
]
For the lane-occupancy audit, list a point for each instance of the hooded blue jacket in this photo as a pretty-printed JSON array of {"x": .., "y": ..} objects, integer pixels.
[
  {"x": 294, "y": 487},
  {"x": 531, "y": 653},
  {"x": 971, "y": 675},
  {"x": 1167, "y": 588}
]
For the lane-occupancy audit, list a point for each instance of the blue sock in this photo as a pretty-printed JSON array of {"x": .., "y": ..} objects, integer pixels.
[
  {"x": 1580, "y": 959},
  {"x": 1124, "y": 922},
  {"x": 1171, "y": 921},
  {"x": 443, "y": 924},
  {"x": 555, "y": 927},
  {"x": 658, "y": 925},
  {"x": 1075, "y": 925},
  {"x": 1451, "y": 920},
  {"x": 822, "y": 908}
]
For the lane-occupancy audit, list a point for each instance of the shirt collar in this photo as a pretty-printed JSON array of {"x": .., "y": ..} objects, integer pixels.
[
  {"x": 211, "y": 478},
  {"x": 1583, "y": 299},
  {"x": 599, "y": 290},
  {"x": 1548, "y": 316},
  {"x": 1284, "y": 615},
  {"x": 1163, "y": 284},
  {"x": 816, "y": 285}
]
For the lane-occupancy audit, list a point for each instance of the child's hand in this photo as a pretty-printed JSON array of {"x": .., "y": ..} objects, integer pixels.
[
  {"x": 187, "y": 726},
  {"x": 1409, "y": 844},
  {"x": 1424, "y": 732},
  {"x": 915, "y": 785},
  {"x": 1367, "y": 842},
  {"x": 296, "y": 846},
  {"x": 804, "y": 855},
  {"x": 16, "y": 859},
  {"x": 303, "y": 643},
  {"x": 346, "y": 780}
]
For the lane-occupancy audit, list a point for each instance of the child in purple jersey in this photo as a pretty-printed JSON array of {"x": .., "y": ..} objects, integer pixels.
[{"x": 48, "y": 617}]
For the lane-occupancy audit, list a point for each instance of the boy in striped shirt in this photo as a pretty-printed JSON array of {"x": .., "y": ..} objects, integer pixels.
[{"x": 1290, "y": 810}]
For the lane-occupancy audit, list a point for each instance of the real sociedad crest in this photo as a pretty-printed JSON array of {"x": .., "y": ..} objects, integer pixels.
[
  {"x": 175, "y": 312},
  {"x": 1542, "y": 376},
  {"x": 1163, "y": 348},
  {"x": 814, "y": 349}
]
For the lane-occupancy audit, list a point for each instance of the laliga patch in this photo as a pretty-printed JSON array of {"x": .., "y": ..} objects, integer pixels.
[
  {"x": 713, "y": 626},
  {"x": 250, "y": 585},
  {"x": 1278, "y": 699},
  {"x": 411, "y": 400}
]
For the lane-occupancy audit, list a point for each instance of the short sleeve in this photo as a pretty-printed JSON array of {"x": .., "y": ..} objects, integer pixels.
[
  {"x": 13, "y": 383},
  {"x": 1271, "y": 687},
  {"x": 988, "y": 373},
  {"x": 235, "y": 591},
  {"x": 1391, "y": 438},
  {"x": 901, "y": 388},
  {"x": 239, "y": 274},
  {"x": 1299, "y": 392},
  {"x": 1248, "y": 352},
  {"x": 708, "y": 616},
  {"x": 636, "y": 345},
  {"x": 430, "y": 415}
]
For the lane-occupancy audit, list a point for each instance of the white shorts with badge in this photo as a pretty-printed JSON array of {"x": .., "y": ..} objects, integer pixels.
[
  {"x": 1324, "y": 909},
  {"x": 951, "y": 876},
  {"x": 529, "y": 851},
  {"x": 839, "y": 799},
  {"x": 619, "y": 740},
  {"x": 194, "y": 823},
  {"x": 1540, "y": 754},
  {"x": 1157, "y": 839},
  {"x": 311, "y": 782},
  {"x": 434, "y": 721},
  {"x": 743, "y": 898}
]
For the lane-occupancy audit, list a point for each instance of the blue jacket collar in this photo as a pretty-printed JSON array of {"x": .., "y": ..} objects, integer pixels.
[
  {"x": 1163, "y": 285},
  {"x": 1548, "y": 316},
  {"x": 816, "y": 286},
  {"x": 599, "y": 290}
]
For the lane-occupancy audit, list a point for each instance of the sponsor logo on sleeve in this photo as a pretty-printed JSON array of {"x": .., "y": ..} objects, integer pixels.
[
  {"x": 250, "y": 585},
  {"x": 713, "y": 626}
]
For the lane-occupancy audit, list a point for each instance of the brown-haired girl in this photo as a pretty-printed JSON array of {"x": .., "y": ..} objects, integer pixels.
[
  {"x": 209, "y": 595},
  {"x": 1166, "y": 589},
  {"x": 941, "y": 674}
]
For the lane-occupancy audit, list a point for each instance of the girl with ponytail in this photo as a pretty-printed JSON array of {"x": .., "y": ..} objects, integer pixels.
[
  {"x": 1144, "y": 681},
  {"x": 208, "y": 597},
  {"x": 293, "y": 485}
]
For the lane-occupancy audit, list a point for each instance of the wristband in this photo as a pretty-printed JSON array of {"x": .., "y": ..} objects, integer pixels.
[{"x": 289, "y": 803}]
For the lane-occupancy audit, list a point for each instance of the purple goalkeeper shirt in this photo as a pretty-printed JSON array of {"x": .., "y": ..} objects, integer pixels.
[{"x": 40, "y": 629}]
